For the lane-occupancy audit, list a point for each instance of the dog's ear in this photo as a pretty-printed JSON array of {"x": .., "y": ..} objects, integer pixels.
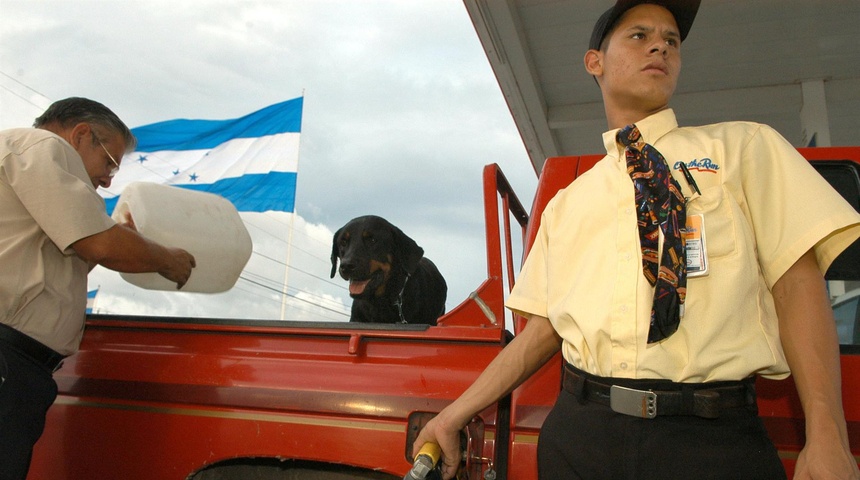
[
  {"x": 406, "y": 250},
  {"x": 334, "y": 251}
]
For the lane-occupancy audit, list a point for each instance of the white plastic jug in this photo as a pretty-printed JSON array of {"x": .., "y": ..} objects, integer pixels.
[{"x": 206, "y": 225}]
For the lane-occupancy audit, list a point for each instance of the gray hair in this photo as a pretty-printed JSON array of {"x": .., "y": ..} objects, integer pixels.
[{"x": 71, "y": 111}]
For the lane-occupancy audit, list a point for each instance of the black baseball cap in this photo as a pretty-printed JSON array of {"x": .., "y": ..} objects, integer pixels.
[{"x": 684, "y": 12}]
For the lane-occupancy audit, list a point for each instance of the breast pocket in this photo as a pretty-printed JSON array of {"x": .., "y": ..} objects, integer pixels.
[{"x": 719, "y": 222}]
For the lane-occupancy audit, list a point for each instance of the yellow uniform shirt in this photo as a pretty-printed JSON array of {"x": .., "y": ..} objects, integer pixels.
[
  {"x": 47, "y": 202},
  {"x": 763, "y": 207}
]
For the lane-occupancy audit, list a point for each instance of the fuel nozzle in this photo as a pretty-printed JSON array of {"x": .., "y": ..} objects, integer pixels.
[{"x": 425, "y": 462}]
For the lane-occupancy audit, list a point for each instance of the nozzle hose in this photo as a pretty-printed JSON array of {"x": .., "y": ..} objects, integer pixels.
[{"x": 426, "y": 460}]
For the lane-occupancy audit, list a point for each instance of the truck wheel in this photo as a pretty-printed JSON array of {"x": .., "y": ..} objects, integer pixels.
[{"x": 273, "y": 469}]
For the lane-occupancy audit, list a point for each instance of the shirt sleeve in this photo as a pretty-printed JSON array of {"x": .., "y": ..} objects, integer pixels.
[
  {"x": 52, "y": 184},
  {"x": 792, "y": 207},
  {"x": 529, "y": 295}
]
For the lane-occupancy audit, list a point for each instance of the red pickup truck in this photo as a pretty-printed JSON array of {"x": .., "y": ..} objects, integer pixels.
[{"x": 220, "y": 399}]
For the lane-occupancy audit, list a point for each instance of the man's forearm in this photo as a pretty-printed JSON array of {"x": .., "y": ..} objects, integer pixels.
[
  {"x": 529, "y": 351},
  {"x": 811, "y": 346},
  {"x": 122, "y": 249}
]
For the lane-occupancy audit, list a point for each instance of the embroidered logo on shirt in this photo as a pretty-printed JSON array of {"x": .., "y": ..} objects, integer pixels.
[{"x": 703, "y": 165}]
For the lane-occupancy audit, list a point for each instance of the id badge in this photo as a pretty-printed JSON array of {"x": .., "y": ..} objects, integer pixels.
[{"x": 696, "y": 249}]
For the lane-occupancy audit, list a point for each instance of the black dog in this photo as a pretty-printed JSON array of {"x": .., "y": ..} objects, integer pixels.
[{"x": 390, "y": 281}]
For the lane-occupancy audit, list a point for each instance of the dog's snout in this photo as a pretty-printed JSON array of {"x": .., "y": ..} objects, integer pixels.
[{"x": 346, "y": 268}]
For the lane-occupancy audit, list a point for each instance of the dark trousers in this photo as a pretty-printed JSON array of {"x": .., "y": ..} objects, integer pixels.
[
  {"x": 26, "y": 392},
  {"x": 590, "y": 441}
]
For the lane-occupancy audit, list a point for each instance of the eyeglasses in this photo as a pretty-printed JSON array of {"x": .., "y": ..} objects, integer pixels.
[{"x": 115, "y": 163}]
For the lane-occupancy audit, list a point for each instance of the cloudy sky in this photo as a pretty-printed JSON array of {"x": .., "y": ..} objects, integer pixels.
[{"x": 401, "y": 113}]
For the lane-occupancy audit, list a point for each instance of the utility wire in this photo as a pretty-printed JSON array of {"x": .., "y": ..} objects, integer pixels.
[
  {"x": 25, "y": 86},
  {"x": 274, "y": 285},
  {"x": 293, "y": 296},
  {"x": 281, "y": 240},
  {"x": 325, "y": 280},
  {"x": 19, "y": 96},
  {"x": 316, "y": 312}
]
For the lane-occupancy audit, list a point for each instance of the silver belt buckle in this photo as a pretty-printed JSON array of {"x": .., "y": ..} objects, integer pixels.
[{"x": 637, "y": 403}]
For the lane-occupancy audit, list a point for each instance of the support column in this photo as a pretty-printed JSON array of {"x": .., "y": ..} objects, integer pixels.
[{"x": 814, "y": 122}]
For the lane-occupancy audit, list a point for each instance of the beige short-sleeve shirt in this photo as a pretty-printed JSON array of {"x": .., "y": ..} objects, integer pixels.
[
  {"x": 47, "y": 202},
  {"x": 763, "y": 207}
]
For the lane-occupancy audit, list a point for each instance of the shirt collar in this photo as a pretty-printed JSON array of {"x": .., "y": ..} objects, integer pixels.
[{"x": 651, "y": 128}]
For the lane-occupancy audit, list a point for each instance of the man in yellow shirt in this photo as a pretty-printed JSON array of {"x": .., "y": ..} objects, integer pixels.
[{"x": 747, "y": 297}]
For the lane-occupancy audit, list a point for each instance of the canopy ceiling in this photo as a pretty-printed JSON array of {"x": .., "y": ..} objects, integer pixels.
[{"x": 792, "y": 64}]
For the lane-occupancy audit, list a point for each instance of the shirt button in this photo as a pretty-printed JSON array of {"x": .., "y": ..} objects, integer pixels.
[
  {"x": 624, "y": 308},
  {"x": 628, "y": 211},
  {"x": 623, "y": 365}
]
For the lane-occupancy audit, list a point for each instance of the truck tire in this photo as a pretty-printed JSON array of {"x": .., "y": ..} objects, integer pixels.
[{"x": 273, "y": 469}]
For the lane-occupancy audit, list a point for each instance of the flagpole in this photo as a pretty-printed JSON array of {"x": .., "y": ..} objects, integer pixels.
[
  {"x": 292, "y": 221},
  {"x": 287, "y": 264}
]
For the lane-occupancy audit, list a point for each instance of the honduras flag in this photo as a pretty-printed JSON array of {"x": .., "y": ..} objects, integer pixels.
[
  {"x": 91, "y": 300},
  {"x": 251, "y": 161}
]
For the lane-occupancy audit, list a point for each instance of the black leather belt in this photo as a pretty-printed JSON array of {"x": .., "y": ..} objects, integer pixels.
[
  {"x": 31, "y": 348},
  {"x": 652, "y": 398}
]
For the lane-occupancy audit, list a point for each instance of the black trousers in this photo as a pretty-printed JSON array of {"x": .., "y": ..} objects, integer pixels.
[
  {"x": 591, "y": 442},
  {"x": 26, "y": 392}
]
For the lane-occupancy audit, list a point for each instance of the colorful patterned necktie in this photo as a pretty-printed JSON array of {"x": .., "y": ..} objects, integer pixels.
[{"x": 659, "y": 206}]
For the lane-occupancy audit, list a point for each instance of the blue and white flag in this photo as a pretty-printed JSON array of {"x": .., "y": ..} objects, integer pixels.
[
  {"x": 91, "y": 300},
  {"x": 251, "y": 161}
]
